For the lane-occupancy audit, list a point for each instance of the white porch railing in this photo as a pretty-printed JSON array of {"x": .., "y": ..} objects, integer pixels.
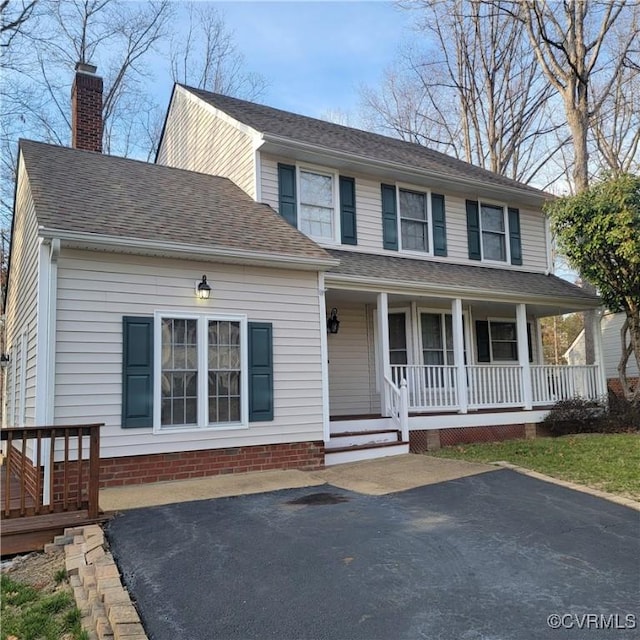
[
  {"x": 429, "y": 386},
  {"x": 435, "y": 388},
  {"x": 551, "y": 383},
  {"x": 397, "y": 408},
  {"x": 491, "y": 385}
]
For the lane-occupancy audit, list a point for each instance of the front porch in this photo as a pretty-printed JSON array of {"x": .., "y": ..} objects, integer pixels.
[{"x": 411, "y": 362}]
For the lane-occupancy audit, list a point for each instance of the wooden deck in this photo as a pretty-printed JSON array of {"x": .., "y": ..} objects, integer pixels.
[{"x": 29, "y": 520}]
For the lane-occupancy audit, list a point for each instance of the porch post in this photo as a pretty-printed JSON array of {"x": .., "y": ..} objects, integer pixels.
[
  {"x": 523, "y": 355},
  {"x": 458, "y": 354},
  {"x": 383, "y": 343},
  {"x": 601, "y": 375}
]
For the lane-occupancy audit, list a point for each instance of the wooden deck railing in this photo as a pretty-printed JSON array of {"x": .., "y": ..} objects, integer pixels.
[{"x": 50, "y": 470}]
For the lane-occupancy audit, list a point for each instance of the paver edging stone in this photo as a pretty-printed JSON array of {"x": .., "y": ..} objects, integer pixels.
[
  {"x": 105, "y": 605},
  {"x": 627, "y": 502}
]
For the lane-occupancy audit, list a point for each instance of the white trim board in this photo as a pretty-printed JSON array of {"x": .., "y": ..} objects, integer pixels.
[{"x": 457, "y": 420}]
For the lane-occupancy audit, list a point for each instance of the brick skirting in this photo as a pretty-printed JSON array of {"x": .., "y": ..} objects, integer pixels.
[
  {"x": 614, "y": 385},
  {"x": 115, "y": 472},
  {"x": 432, "y": 439}
]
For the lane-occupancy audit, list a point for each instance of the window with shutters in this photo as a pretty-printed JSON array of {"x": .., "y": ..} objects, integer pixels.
[
  {"x": 318, "y": 202},
  {"x": 202, "y": 371}
]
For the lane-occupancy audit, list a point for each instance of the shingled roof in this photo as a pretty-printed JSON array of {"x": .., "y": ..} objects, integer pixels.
[
  {"x": 359, "y": 143},
  {"x": 429, "y": 273},
  {"x": 88, "y": 192}
]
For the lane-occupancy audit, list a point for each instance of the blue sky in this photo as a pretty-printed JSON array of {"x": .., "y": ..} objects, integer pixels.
[{"x": 315, "y": 54}]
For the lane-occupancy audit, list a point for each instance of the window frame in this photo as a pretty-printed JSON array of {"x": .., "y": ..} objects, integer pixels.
[
  {"x": 505, "y": 233},
  {"x": 202, "y": 423},
  {"x": 401, "y": 186},
  {"x": 335, "y": 187}
]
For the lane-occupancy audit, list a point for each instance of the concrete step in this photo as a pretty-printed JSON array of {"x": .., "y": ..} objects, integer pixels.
[
  {"x": 364, "y": 452},
  {"x": 354, "y": 438}
]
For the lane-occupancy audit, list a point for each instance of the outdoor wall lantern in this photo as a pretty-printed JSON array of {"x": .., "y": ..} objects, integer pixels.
[
  {"x": 4, "y": 360},
  {"x": 333, "y": 324},
  {"x": 203, "y": 290}
]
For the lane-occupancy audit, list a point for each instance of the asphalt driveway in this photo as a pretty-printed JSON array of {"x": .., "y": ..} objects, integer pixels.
[{"x": 489, "y": 556}]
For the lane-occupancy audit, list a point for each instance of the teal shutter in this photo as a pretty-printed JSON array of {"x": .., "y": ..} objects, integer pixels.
[
  {"x": 348, "y": 228},
  {"x": 473, "y": 230},
  {"x": 439, "y": 225},
  {"x": 389, "y": 217},
  {"x": 529, "y": 344},
  {"x": 260, "y": 371},
  {"x": 287, "y": 193},
  {"x": 137, "y": 371},
  {"x": 515, "y": 242},
  {"x": 482, "y": 341}
]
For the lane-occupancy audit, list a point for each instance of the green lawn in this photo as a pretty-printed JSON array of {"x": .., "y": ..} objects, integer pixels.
[
  {"x": 608, "y": 462},
  {"x": 29, "y": 613}
]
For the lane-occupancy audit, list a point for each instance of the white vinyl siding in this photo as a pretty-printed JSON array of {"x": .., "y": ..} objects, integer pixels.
[
  {"x": 195, "y": 139},
  {"x": 21, "y": 306},
  {"x": 349, "y": 355},
  {"x": 95, "y": 291},
  {"x": 369, "y": 218}
]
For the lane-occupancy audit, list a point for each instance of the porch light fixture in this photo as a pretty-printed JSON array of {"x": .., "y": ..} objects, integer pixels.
[
  {"x": 203, "y": 290},
  {"x": 4, "y": 360},
  {"x": 333, "y": 324}
]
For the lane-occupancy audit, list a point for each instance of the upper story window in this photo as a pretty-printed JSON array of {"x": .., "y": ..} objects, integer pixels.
[
  {"x": 413, "y": 220},
  {"x": 319, "y": 203},
  {"x": 493, "y": 232},
  {"x": 493, "y": 225}
]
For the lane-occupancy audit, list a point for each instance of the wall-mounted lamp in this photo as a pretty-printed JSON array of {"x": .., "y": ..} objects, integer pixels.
[
  {"x": 4, "y": 360},
  {"x": 203, "y": 290},
  {"x": 333, "y": 324}
]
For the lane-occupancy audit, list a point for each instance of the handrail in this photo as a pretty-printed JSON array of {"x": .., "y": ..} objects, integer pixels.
[
  {"x": 398, "y": 405},
  {"x": 48, "y": 483}
]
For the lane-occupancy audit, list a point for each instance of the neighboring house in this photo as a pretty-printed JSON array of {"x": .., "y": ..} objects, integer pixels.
[
  {"x": 434, "y": 274},
  {"x": 610, "y": 326}
]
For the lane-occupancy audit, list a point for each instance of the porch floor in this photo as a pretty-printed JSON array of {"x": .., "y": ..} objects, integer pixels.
[{"x": 418, "y": 414}]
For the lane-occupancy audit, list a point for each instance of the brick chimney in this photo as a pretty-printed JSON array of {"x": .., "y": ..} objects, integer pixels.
[{"x": 86, "y": 109}]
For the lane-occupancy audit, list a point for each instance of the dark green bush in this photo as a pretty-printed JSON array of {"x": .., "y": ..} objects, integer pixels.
[{"x": 584, "y": 416}]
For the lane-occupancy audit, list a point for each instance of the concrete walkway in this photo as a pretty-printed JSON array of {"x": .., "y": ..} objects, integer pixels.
[{"x": 372, "y": 477}]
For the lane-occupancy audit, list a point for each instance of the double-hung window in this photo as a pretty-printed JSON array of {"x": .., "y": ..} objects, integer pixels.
[
  {"x": 202, "y": 369},
  {"x": 414, "y": 220},
  {"x": 317, "y": 205},
  {"x": 436, "y": 334},
  {"x": 504, "y": 341},
  {"x": 493, "y": 229},
  {"x": 493, "y": 232}
]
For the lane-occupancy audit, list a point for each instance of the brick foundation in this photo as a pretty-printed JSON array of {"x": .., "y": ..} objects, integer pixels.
[
  {"x": 115, "y": 472},
  {"x": 614, "y": 385},
  {"x": 432, "y": 439}
]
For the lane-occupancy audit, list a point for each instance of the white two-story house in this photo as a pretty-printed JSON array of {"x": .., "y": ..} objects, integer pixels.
[{"x": 275, "y": 292}]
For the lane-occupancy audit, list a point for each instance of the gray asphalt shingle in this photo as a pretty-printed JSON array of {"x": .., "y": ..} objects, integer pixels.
[
  {"x": 353, "y": 141},
  {"x": 91, "y": 192},
  {"x": 426, "y": 272}
]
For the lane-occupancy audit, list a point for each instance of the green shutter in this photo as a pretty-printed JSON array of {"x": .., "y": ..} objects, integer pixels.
[
  {"x": 389, "y": 218},
  {"x": 287, "y": 193},
  {"x": 482, "y": 341},
  {"x": 137, "y": 371},
  {"x": 439, "y": 225},
  {"x": 529, "y": 344},
  {"x": 514, "y": 236},
  {"x": 260, "y": 371},
  {"x": 473, "y": 230},
  {"x": 348, "y": 210}
]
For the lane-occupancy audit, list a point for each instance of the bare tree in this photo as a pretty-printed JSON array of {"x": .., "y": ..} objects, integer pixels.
[
  {"x": 207, "y": 58},
  {"x": 476, "y": 92},
  {"x": 15, "y": 15},
  {"x": 582, "y": 48}
]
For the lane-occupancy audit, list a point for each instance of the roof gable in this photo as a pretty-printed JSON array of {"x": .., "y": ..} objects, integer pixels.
[
  {"x": 92, "y": 193},
  {"x": 364, "y": 144}
]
